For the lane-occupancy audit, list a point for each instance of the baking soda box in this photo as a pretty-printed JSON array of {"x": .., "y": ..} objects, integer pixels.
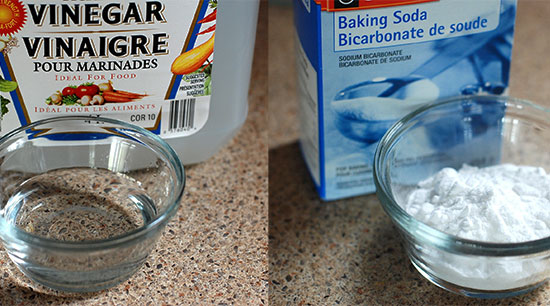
[{"x": 363, "y": 64}]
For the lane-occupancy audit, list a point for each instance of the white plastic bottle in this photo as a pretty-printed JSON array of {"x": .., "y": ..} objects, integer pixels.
[
  {"x": 233, "y": 52},
  {"x": 180, "y": 69}
]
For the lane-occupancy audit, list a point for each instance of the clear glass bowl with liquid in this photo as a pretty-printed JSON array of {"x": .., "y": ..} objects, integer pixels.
[
  {"x": 479, "y": 131},
  {"x": 85, "y": 199}
]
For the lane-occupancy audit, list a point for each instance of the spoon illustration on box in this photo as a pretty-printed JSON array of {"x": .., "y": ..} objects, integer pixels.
[{"x": 365, "y": 111}]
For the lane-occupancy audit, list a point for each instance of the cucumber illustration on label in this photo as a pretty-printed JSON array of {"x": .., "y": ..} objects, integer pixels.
[
  {"x": 144, "y": 62},
  {"x": 5, "y": 87},
  {"x": 12, "y": 18}
]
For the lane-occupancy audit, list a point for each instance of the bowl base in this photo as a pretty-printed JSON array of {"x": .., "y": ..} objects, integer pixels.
[
  {"x": 476, "y": 293},
  {"x": 79, "y": 281}
]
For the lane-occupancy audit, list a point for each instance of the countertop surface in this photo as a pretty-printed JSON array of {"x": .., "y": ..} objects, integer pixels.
[
  {"x": 214, "y": 251},
  {"x": 348, "y": 252}
]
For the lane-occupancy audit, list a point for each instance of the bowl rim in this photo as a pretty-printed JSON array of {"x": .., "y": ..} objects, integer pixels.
[
  {"x": 14, "y": 234},
  {"x": 419, "y": 230}
]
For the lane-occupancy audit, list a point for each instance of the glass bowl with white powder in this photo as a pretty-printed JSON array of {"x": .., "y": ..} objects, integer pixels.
[{"x": 467, "y": 183}]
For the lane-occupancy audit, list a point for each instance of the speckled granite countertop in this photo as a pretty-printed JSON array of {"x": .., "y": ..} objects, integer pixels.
[
  {"x": 214, "y": 251},
  {"x": 348, "y": 252}
]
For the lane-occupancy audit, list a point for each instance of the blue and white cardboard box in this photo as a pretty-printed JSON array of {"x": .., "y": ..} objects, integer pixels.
[{"x": 363, "y": 64}]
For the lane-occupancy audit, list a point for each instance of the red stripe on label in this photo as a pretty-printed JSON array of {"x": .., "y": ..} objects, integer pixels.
[{"x": 348, "y": 5}]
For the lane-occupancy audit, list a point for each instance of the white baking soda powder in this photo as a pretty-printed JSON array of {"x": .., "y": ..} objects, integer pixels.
[{"x": 503, "y": 203}]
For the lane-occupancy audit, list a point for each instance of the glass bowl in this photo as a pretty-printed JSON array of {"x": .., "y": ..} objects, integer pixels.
[
  {"x": 479, "y": 131},
  {"x": 84, "y": 199}
]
